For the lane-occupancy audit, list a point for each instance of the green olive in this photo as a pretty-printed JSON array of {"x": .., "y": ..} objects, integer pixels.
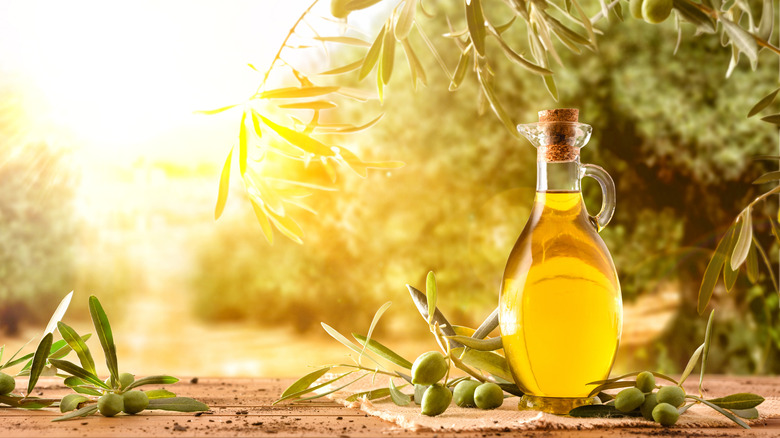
[
  {"x": 338, "y": 9},
  {"x": 656, "y": 11},
  {"x": 674, "y": 395},
  {"x": 645, "y": 381},
  {"x": 647, "y": 407},
  {"x": 429, "y": 368},
  {"x": 488, "y": 396},
  {"x": 436, "y": 400},
  {"x": 125, "y": 379},
  {"x": 464, "y": 393},
  {"x": 636, "y": 9},
  {"x": 7, "y": 384},
  {"x": 419, "y": 390},
  {"x": 665, "y": 414},
  {"x": 110, "y": 404},
  {"x": 135, "y": 402},
  {"x": 629, "y": 399}
]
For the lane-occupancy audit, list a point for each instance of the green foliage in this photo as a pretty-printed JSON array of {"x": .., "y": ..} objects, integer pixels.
[{"x": 37, "y": 225}]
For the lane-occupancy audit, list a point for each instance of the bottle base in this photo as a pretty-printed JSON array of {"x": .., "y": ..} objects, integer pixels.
[{"x": 552, "y": 405}]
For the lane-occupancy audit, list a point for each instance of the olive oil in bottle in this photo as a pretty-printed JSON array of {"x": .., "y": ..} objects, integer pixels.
[{"x": 560, "y": 307}]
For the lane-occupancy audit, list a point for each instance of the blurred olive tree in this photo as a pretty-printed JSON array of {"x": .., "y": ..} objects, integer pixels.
[{"x": 37, "y": 225}]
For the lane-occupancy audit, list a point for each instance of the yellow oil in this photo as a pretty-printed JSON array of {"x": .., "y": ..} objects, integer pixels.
[{"x": 560, "y": 304}]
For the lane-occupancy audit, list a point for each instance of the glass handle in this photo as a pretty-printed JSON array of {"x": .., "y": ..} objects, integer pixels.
[{"x": 603, "y": 217}]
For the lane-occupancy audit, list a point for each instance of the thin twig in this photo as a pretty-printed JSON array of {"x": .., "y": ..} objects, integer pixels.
[{"x": 284, "y": 44}]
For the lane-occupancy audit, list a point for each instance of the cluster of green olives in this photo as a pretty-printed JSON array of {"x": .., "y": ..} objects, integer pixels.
[
  {"x": 660, "y": 406},
  {"x": 430, "y": 368},
  {"x": 7, "y": 384},
  {"x": 110, "y": 404},
  {"x": 652, "y": 11}
]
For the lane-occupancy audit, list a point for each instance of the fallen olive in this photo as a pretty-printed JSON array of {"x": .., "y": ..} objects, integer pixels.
[
  {"x": 464, "y": 393},
  {"x": 436, "y": 400}
]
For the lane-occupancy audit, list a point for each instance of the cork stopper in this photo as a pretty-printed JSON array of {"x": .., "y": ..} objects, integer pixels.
[{"x": 559, "y": 127}]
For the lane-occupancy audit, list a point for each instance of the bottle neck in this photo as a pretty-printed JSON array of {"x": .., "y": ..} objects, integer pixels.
[{"x": 558, "y": 176}]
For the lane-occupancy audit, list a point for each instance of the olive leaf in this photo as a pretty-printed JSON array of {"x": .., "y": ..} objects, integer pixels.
[
  {"x": 83, "y": 412},
  {"x": 103, "y": 330},
  {"x": 415, "y": 66},
  {"x": 611, "y": 385},
  {"x": 479, "y": 344},
  {"x": 331, "y": 391},
  {"x": 475, "y": 20},
  {"x": 383, "y": 351},
  {"x": 398, "y": 397},
  {"x": 215, "y": 111},
  {"x": 309, "y": 389},
  {"x": 741, "y": 38},
  {"x": 743, "y": 242},
  {"x": 71, "y": 402},
  {"x": 356, "y": 5},
  {"x": 224, "y": 186},
  {"x": 296, "y": 92},
  {"x": 749, "y": 414},
  {"x": 152, "y": 380},
  {"x": 460, "y": 70},
  {"x": 373, "y": 54},
  {"x": 743, "y": 400},
  {"x": 305, "y": 381},
  {"x": 159, "y": 393},
  {"x": 726, "y": 413},
  {"x": 344, "y": 341},
  {"x": 774, "y": 119},
  {"x": 405, "y": 20},
  {"x": 752, "y": 264},
  {"x": 706, "y": 351},
  {"x": 39, "y": 361},
  {"x": 77, "y": 371},
  {"x": 691, "y": 364},
  {"x": 693, "y": 15},
  {"x": 495, "y": 104},
  {"x": 349, "y": 129},
  {"x": 431, "y": 293},
  {"x": 262, "y": 219},
  {"x": 763, "y": 103},
  {"x": 344, "y": 69},
  {"x": 369, "y": 395},
  {"x": 768, "y": 177},
  {"x": 243, "y": 145},
  {"x": 421, "y": 302},
  {"x": 766, "y": 25},
  {"x": 381, "y": 311},
  {"x": 343, "y": 40},
  {"x": 768, "y": 264},
  {"x": 177, "y": 404},
  {"x": 487, "y": 361},
  {"x": 58, "y": 313},
  {"x": 519, "y": 60},
  {"x": 712, "y": 272},
  {"x": 388, "y": 56},
  {"x": 78, "y": 345},
  {"x": 298, "y": 139}
]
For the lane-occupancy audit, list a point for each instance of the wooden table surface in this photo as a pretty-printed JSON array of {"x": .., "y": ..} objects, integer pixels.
[{"x": 242, "y": 407}]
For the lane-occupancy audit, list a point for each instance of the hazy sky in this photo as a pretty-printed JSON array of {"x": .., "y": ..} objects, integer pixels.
[{"x": 122, "y": 79}]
